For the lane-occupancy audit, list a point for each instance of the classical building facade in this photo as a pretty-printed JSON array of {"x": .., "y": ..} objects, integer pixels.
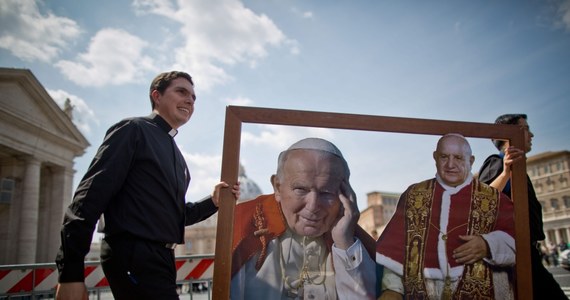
[
  {"x": 381, "y": 207},
  {"x": 550, "y": 176},
  {"x": 38, "y": 143}
]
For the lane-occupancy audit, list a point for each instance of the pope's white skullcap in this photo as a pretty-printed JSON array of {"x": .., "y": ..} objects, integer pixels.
[{"x": 316, "y": 144}]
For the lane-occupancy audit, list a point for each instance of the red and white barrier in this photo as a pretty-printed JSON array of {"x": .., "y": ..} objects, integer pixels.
[
  {"x": 194, "y": 269},
  {"x": 21, "y": 280},
  {"x": 29, "y": 278}
]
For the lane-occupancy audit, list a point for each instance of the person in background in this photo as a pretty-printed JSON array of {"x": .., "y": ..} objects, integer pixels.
[
  {"x": 562, "y": 246},
  {"x": 553, "y": 253},
  {"x": 137, "y": 181},
  {"x": 496, "y": 171},
  {"x": 303, "y": 241},
  {"x": 544, "y": 254},
  {"x": 451, "y": 236}
]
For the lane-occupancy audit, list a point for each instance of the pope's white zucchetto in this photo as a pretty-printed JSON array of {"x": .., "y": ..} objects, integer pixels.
[{"x": 316, "y": 144}]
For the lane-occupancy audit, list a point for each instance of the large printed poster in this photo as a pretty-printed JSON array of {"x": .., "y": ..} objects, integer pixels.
[{"x": 272, "y": 244}]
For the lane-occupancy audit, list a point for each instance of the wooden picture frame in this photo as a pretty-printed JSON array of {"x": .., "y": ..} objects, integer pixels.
[{"x": 236, "y": 115}]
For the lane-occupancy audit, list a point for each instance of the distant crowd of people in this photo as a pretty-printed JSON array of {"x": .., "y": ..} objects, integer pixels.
[{"x": 551, "y": 252}]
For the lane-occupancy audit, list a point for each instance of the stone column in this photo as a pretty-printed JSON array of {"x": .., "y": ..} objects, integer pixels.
[
  {"x": 558, "y": 236},
  {"x": 548, "y": 235},
  {"x": 28, "y": 232},
  {"x": 61, "y": 197}
]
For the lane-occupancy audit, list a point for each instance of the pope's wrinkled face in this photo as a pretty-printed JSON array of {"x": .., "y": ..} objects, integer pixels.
[
  {"x": 453, "y": 160},
  {"x": 308, "y": 189}
]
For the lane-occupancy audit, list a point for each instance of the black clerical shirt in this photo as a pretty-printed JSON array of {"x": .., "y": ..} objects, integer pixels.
[
  {"x": 491, "y": 169},
  {"x": 138, "y": 181}
]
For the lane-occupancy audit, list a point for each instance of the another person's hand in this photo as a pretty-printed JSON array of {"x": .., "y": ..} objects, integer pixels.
[
  {"x": 474, "y": 249},
  {"x": 512, "y": 155},
  {"x": 216, "y": 193},
  {"x": 71, "y": 291},
  {"x": 343, "y": 231}
]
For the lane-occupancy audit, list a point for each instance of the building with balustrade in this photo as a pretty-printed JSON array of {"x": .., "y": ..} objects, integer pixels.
[{"x": 550, "y": 176}]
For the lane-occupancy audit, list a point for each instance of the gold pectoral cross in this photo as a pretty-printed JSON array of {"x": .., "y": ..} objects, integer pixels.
[{"x": 305, "y": 277}]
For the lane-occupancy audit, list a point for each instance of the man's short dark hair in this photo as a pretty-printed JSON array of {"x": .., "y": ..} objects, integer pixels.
[
  {"x": 163, "y": 80},
  {"x": 509, "y": 119}
]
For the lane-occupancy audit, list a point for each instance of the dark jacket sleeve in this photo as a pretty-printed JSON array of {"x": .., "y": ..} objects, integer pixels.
[
  {"x": 99, "y": 185},
  {"x": 199, "y": 211},
  {"x": 491, "y": 168}
]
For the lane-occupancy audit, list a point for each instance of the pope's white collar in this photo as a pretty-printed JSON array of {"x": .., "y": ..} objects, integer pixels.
[{"x": 453, "y": 190}]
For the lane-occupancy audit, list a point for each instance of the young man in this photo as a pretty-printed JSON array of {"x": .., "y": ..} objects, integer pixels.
[
  {"x": 496, "y": 171},
  {"x": 137, "y": 181}
]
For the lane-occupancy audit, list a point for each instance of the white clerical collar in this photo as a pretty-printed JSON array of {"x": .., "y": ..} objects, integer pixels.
[
  {"x": 161, "y": 122},
  {"x": 452, "y": 190}
]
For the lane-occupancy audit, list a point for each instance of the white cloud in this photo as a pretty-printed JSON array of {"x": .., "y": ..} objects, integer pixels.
[
  {"x": 293, "y": 46},
  {"x": 217, "y": 33},
  {"x": 564, "y": 14},
  {"x": 555, "y": 14},
  {"x": 242, "y": 101},
  {"x": 114, "y": 57},
  {"x": 83, "y": 115},
  {"x": 302, "y": 14},
  {"x": 31, "y": 36},
  {"x": 205, "y": 173}
]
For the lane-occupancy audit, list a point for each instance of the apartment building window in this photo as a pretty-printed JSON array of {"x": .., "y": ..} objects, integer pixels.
[
  {"x": 550, "y": 184},
  {"x": 546, "y": 169},
  {"x": 543, "y": 205},
  {"x": 539, "y": 188},
  {"x": 554, "y": 204},
  {"x": 566, "y": 201},
  {"x": 563, "y": 181}
]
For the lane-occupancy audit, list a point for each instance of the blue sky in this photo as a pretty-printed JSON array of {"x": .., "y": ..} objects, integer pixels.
[{"x": 448, "y": 60}]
